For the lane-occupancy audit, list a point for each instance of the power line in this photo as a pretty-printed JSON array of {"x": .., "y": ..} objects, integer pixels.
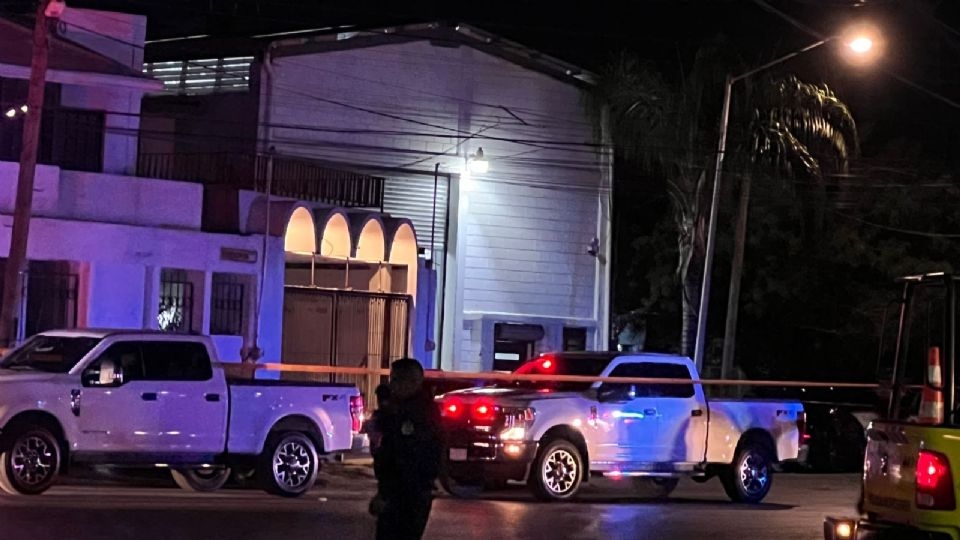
[{"x": 910, "y": 232}]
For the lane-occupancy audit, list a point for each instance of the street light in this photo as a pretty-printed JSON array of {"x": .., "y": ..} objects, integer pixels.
[
  {"x": 477, "y": 163},
  {"x": 860, "y": 42}
]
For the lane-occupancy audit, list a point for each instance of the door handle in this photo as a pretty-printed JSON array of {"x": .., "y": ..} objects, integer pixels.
[
  {"x": 212, "y": 398},
  {"x": 649, "y": 412},
  {"x": 696, "y": 412},
  {"x": 148, "y": 396}
]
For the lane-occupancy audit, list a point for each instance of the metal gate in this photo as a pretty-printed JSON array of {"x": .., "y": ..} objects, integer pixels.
[{"x": 343, "y": 328}]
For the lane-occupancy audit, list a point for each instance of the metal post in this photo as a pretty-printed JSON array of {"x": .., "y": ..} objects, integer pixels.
[
  {"x": 712, "y": 229},
  {"x": 715, "y": 200},
  {"x": 17, "y": 258}
]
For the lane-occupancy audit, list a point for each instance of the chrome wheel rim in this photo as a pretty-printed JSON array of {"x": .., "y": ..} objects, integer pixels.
[
  {"x": 292, "y": 464},
  {"x": 560, "y": 471},
  {"x": 33, "y": 460},
  {"x": 754, "y": 473}
]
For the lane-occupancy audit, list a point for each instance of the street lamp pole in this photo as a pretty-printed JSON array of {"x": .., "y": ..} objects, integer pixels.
[{"x": 715, "y": 198}]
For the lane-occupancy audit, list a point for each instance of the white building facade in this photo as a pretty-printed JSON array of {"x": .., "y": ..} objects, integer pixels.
[
  {"x": 520, "y": 252},
  {"x": 109, "y": 248}
]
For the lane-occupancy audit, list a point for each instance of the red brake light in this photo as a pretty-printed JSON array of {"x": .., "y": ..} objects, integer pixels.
[
  {"x": 934, "y": 482},
  {"x": 546, "y": 364},
  {"x": 356, "y": 413},
  {"x": 483, "y": 412},
  {"x": 451, "y": 408},
  {"x": 802, "y": 427}
]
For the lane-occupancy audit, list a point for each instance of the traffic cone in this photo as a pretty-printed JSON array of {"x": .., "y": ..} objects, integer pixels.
[{"x": 931, "y": 400}]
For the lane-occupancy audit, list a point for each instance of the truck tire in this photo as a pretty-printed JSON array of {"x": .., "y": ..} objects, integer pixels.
[
  {"x": 29, "y": 465},
  {"x": 657, "y": 487},
  {"x": 749, "y": 477},
  {"x": 557, "y": 472},
  {"x": 201, "y": 479},
  {"x": 289, "y": 464}
]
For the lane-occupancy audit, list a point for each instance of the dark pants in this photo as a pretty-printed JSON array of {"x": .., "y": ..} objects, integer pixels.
[{"x": 404, "y": 517}]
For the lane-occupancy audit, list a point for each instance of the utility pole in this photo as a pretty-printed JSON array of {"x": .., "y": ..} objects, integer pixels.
[{"x": 17, "y": 258}]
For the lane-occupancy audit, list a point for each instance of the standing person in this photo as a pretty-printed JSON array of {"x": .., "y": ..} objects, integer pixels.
[{"x": 407, "y": 461}]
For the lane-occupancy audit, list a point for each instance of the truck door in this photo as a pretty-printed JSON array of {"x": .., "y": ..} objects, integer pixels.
[
  {"x": 681, "y": 414},
  {"x": 631, "y": 419},
  {"x": 192, "y": 397},
  {"x": 112, "y": 415}
]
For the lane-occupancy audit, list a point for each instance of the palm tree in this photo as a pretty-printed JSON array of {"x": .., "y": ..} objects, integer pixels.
[
  {"x": 670, "y": 130},
  {"x": 797, "y": 129}
]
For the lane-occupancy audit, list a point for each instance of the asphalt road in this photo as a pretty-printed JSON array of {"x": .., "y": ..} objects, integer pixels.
[{"x": 337, "y": 510}]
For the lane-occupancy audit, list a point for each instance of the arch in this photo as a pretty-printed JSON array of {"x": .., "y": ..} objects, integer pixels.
[
  {"x": 403, "y": 250},
  {"x": 369, "y": 243},
  {"x": 301, "y": 233},
  {"x": 333, "y": 230}
]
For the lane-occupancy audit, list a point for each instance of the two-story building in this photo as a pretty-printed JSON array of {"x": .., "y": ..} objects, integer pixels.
[
  {"x": 484, "y": 145},
  {"x": 111, "y": 248}
]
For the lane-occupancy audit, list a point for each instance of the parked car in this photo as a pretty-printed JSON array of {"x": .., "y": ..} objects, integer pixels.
[
  {"x": 136, "y": 398},
  {"x": 837, "y": 419},
  {"x": 555, "y": 435}
]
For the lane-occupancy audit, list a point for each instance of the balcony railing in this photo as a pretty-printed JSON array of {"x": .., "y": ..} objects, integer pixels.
[{"x": 293, "y": 177}]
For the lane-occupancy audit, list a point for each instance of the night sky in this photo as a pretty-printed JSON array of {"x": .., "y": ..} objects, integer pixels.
[{"x": 923, "y": 42}]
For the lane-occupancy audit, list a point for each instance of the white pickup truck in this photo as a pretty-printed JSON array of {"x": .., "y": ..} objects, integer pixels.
[
  {"x": 140, "y": 398},
  {"x": 555, "y": 435}
]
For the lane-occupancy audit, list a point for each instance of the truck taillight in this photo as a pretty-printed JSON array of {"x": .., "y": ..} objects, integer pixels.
[
  {"x": 451, "y": 408},
  {"x": 804, "y": 437},
  {"x": 356, "y": 413},
  {"x": 483, "y": 412},
  {"x": 934, "y": 482}
]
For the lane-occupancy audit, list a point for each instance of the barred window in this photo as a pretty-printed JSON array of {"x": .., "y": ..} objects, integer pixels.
[
  {"x": 227, "y": 304},
  {"x": 176, "y": 301}
]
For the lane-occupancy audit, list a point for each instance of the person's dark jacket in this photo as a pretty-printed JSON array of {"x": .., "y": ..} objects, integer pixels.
[{"x": 408, "y": 460}]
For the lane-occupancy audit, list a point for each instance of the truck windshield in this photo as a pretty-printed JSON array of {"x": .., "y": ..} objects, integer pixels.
[
  {"x": 52, "y": 354},
  {"x": 589, "y": 366}
]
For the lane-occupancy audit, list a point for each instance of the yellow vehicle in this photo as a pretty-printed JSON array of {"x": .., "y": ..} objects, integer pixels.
[{"x": 911, "y": 469}]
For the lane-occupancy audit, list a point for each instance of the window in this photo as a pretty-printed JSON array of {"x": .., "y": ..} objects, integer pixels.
[
  {"x": 159, "y": 361},
  {"x": 52, "y": 354},
  {"x": 924, "y": 335},
  {"x": 176, "y": 301},
  {"x": 175, "y": 361},
  {"x": 665, "y": 371},
  {"x": 51, "y": 297},
  {"x": 514, "y": 344},
  {"x": 651, "y": 370},
  {"x": 227, "y": 304},
  {"x": 574, "y": 339},
  {"x": 126, "y": 357},
  {"x": 202, "y": 76}
]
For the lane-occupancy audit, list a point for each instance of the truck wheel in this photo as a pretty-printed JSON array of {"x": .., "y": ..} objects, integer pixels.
[
  {"x": 655, "y": 487},
  {"x": 30, "y": 464},
  {"x": 749, "y": 477},
  {"x": 289, "y": 464},
  {"x": 557, "y": 472},
  {"x": 201, "y": 479}
]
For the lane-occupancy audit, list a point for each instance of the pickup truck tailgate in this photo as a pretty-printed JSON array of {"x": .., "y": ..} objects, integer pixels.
[{"x": 910, "y": 474}]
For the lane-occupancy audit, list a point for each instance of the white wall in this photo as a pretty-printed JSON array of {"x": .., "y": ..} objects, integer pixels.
[
  {"x": 520, "y": 233},
  {"x": 106, "y": 197},
  {"x": 113, "y": 35},
  {"x": 519, "y": 248}
]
